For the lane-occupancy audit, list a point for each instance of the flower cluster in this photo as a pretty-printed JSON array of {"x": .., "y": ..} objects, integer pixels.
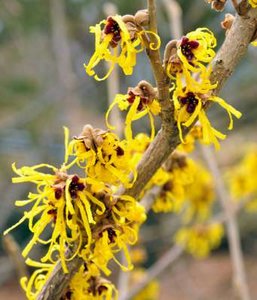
[
  {"x": 199, "y": 240},
  {"x": 187, "y": 190},
  {"x": 242, "y": 179},
  {"x": 86, "y": 283},
  {"x": 81, "y": 212},
  {"x": 185, "y": 63}
]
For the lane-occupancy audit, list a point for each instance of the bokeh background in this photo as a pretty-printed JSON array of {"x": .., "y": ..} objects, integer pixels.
[{"x": 43, "y": 86}]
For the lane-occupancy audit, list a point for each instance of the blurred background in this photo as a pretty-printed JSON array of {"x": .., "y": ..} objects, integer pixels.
[{"x": 43, "y": 86}]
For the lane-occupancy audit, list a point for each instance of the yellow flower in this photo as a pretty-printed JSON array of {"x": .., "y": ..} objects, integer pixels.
[
  {"x": 194, "y": 134},
  {"x": 35, "y": 283},
  {"x": 200, "y": 239},
  {"x": 110, "y": 242},
  {"x": 242, "y": 179},
  {"x": 253, "y": 3},
  {"x": 127, "y": 214},
  {"x": 138, "y": 146},
  {"x": 187, "y": 57},
  {"x": 62, "y": 201},
  {"x": 140, "y": 101},
  {"x": 190, "y": 106},
  {"x": 118, "y": 42},
  {"x": 138, "y": 255},
  {"x": 171, "y": 198},
  {"x": 88, "y": 285},
  {"x": 196, "y": 49},
  {"x": 199, "y": 195},
  {"x": 103, "y": 156}
]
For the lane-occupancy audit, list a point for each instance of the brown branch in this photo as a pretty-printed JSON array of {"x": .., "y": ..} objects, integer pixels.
[
  {"x": 159, "y": 267},
  {"x": 58, "y": 282},
  {"x": 174, "y": 13},
  {"x": 239, "y": 273},
  {"x": 232, "y": 50},
  {"x": 14, "y": 252}
]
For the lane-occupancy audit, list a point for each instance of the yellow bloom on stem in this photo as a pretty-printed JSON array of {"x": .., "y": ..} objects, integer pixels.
[
  {"x": 194, "y": 134},
  {"x": 62, "y": 203},
  {"x": 103, "y": 156},
  {"x": 118, "y": 43},
  {"x": 87, "y": 284},
  {"x": 33, "y": 285},
  {"x": 190, "y": 106},
  {"x": 108, "y": 244},
  {"x": 199, "y": 195},
  {"x": 196, "y": 49},
  {"x": 199, "y": 240},
  {"x": 242, "y": 179},
  {"x": 126, "y": 216},
  {"x": 181, "y": 173},
  {"x": 140, "y": 101},
  {"x": 253, "y": 3}
]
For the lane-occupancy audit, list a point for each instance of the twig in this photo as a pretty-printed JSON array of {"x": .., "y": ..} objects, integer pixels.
[
  {"x": 170, "y": 257},
  {"x": 14, "y": 253},
  {"x": 63, "y": 59},
  {"x": 174, "y": 12},
  {"x": 160, "y": 266},
  {"x": 240, "y": 280},
  {"x": 57, "y": 283},
  {"x": 232, "y": 50}
]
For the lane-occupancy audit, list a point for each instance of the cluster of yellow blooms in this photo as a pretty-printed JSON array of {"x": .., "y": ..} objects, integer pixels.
[
  {"x": 192, "y": 90},
  {"x": 242, "y": 179},
  {"x": 199, "y": 240},
  {"x": 81, "y": 211},
  {"x": 253, "y": 3}
]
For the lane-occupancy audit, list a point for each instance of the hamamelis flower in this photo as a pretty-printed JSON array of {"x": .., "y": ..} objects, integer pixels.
[
  {"x": 242, "y": 179},
  {"x": 139, "y": 101},
  {"x": 190, "y": 106},
  {"x": 200, "y": 239},
  {"x": 63, "y": 203},
  {"x": 253, "y": 3},
  {"x": 118, "y": 42},
  {"x": 180, "y": 173},
  {"x": 124, "y": 221},
  {"x": 199, "y": 195},
  {"x": 88, "y": 285},
  {"x": 111, "y": 241},
  {"x": 103, "y": 156},
  {"x": 196, "y": 49},
  {"x": 33, "y": 285},
  {"x": 189, "y": 56},
  {"x": 195, "y": 134}
]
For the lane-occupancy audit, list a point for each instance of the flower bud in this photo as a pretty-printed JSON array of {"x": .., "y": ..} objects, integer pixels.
[{"x": 142, "y": 17}]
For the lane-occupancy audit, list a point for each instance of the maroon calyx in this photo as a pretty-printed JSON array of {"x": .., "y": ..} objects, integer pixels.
[
  {"x": 187, "y": 47},
  {"x": 119, "y": 151},
  {"x": 53, "y": 213},
  {"x": 112, "y": 27},
  {"x": 111, "y": 235},
  {"x": 143, "y": 100},
  {"x": 75, "y": 186},
  {"x": 191, "y": 101},
  {"x": 58, "y": 193}
]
